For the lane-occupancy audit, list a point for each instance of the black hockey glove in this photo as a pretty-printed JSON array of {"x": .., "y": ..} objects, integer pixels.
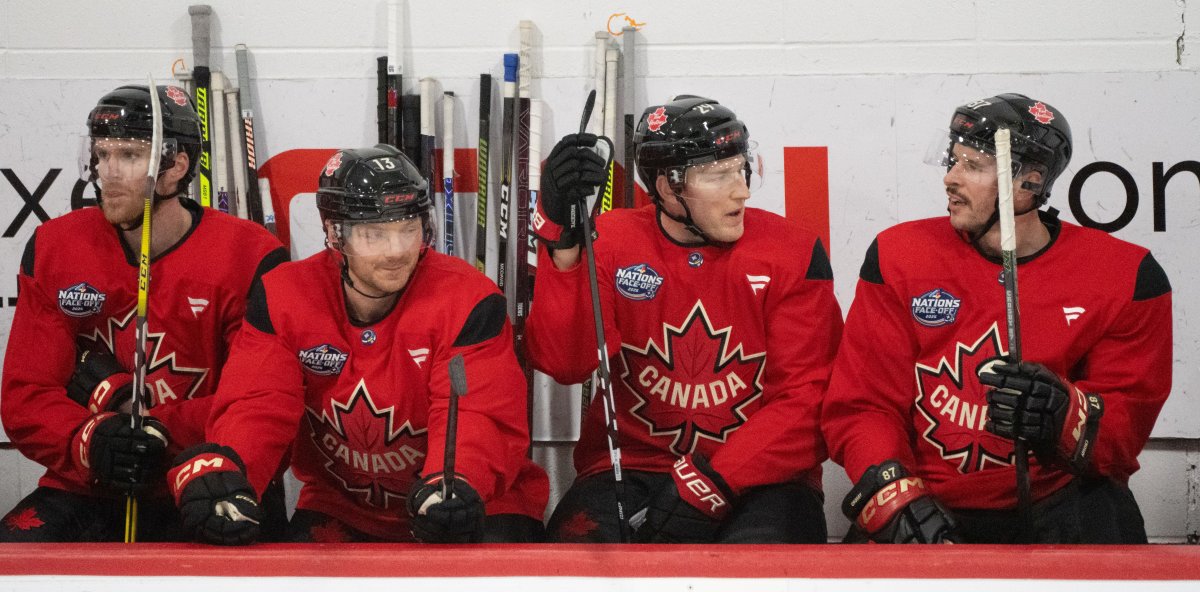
[
  {"x": 572, "y": 174},
  {"x": 690, "y": 508},
  {"x": 215, "y": 499},
  {"x": 437, "y": 520},
  {"x": 888, "y": 506},
  {"x": 1028, "y": 401},
  {"x": 108, "y": 450},
  {"x": 100, "y": 383}
]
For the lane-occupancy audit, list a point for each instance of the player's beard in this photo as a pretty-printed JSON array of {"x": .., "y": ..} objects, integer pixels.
[
  {"x": 385, "y": 274},
  {"x": 969, "y": 215},
  {"x": 123, "y": 203}
]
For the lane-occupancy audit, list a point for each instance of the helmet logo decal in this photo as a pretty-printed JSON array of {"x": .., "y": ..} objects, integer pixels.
[
  {"x": 1041, "y": 113},
  {"x": 176, "y": 94},
  {"x": 397, "y": 198},
  {"x": 731, "y": 136},
  {"x": 655, "y": 120},
  {"x": 978, "y": 104},
  {"x": 335, "y": 163}
]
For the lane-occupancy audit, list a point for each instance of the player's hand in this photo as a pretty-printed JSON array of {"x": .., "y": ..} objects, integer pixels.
[
  {"x": 100, "y": 383},
  {"x": 117, "y": 456},
  {"x": 888, "y": 506},
  {"x": 215, "y": 499},
  {"x": 690, "y": 508},
  {"x": 573, "y": 173},
  {"x": 1029, "y": 402},
  {"x": 434, "y": 519}
]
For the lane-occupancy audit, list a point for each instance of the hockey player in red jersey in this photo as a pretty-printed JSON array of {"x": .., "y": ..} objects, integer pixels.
[
  {"x": 923, "y": 407},
  {"x": 344, "y": 359},
  {"x": 68, "y": 368},
  {"x": 721, "y": 323}
]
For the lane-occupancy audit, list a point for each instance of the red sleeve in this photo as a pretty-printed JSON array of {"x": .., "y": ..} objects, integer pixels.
[
  {"x": 38, "y": 416},
  {"x": 866, "y": 414},
  {"x": 493, "y": 431},
  {"x": 260, "y": 400},
  {"x": 1130, "y": 368},
  {"x": 783, "y": 438},
  {"x": 561, "y": 330}
]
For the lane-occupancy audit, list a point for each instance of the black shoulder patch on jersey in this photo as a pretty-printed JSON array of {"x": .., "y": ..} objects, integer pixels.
[
  {"x": 256, "y": 308},
  {"x": 271, "y": 261},
  {"x": 1151, "y": 280},
  {"x": 870, "y": 268},
  {"x": 27, "y": 257},
  {"x": 818, "y": 264},
  {"x": 485, "y": 321}
]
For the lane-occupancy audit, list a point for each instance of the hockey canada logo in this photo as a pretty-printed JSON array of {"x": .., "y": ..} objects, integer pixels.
[
  {"x": 638, "y": 282},
  {"x": 954, "y": 404},
  {"x": 655, "y": 120},
  {"x": 323, "y": 359},
  {"x": 935, "y": 308},
  {"x": 372, "y": 458},
  {"x": 176, "y": 94},
  {"x": 335, "y": 163},
  {"x": 697, "y": 384},
  {"x": 80, "y": 300},
  {"x": 1041, "y": 113}
]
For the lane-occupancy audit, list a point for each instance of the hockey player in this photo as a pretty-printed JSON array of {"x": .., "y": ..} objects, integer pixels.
[
  {"x": 722, "y": 326},
  {"x": 344, "y": 359},
  {"x": 932, "y": 457},
  {"x": 68, "y": 368}
]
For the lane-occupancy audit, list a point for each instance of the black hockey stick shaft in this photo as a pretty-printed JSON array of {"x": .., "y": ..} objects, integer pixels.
[
  {"x": 254, "y": 205},
  {"x": 201, "y": 14},
  {"x": 481, "y": 195},
  {"x": 521, "y": 261},
  {"x": 410, "y": 113},
  {"x": 395, "y": 76},
  {"x": 381, "y": 98},
  {"x": 604, "y": 384},
  {"x": 458, "y": 388},
  {"x": 506, "y": 155},
  {"x": 628, "y": 66}
]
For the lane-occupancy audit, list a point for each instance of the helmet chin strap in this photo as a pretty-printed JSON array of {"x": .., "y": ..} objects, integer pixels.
[{"x": 973, "y": 237}]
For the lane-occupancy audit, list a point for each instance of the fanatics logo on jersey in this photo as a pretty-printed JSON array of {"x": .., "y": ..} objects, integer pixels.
[
  {"x": 758, "y": 282},
  {"x": 655, "y": 120},
  {"x": 176, "y": 94},
  {"x": 323, "y": 359},
  {"x": 1041, "y": 113},
  {"x": 80, "y": 300},
  {"x": 419, "y": 355},
  {"x": 638, "y": 282},
  {"x": 935, "y": 308}
]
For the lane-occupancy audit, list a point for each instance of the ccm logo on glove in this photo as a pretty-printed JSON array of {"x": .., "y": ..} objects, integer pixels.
[
  {"x": 200, "y": 465},
  {"x": 890, "y": 499}
]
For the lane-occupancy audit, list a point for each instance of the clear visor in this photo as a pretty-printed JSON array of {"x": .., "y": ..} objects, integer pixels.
[
  {"x": 372, "y": 239},
  {"x": 712, "y": 178},
  {"x": 954, "y": 152},
  {"x": 120, "y": 159}
]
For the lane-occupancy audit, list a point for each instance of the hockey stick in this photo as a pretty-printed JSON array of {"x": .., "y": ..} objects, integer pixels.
[
  {"x": 458, "y": 388},
  {"x": 603, "y": 382},
  {"x": 143, "y": 300},
  {"x": 524, "y": 88},
  {"x": 237, "y": 157},
  {"x": 218, "y": 136},
  {"x": 506, "y": 156},
  {"x": 481, "y": 195},
  {"x": 535, "y": 181},
  {"x": 1008, "y": 255},
  {"x": 381, "y": 98},
  {"x": 254, "y": 197},
  {"x": 448, "y": 166},
  {"x": 201, "y": 78},
  {"x": 395, "y": 76},
  {"x": 628, "y": 67}
]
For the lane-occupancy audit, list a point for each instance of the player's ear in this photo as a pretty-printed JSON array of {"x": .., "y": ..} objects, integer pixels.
[
  {"x": 170, "y": 177},
  {"x": 665, "y": 191}
]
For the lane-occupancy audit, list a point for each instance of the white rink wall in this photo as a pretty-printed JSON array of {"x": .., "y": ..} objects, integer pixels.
[{"x": 869, "y": 81}]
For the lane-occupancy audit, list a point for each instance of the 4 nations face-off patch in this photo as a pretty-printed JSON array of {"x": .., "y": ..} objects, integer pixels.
[
  {"x": 80, "y": 300},
  {"x": 323, "y": 360},
  {"x": 935, "y": 308},
  {"x": 638, "y": 282}
]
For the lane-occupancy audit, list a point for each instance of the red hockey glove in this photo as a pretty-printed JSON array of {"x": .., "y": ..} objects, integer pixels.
[
  {"x": 1030, "y": 402},
  {"x": 888, "y": 506},
  {"x": 216, "y": 501},
  {"x": 108, "y": 450},
  {"x": 573, "y": 173},
  {"x": 437, "y": 520},
  {"x": 690, "y": 508},
  {"x": 100, "y": 383}
]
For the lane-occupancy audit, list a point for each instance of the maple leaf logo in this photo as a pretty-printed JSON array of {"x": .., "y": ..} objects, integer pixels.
[
  {"x": 374, "y": 461},
  {"x": 692, "y": 386},
  {"x": 655, "y": 120},
  {"x": 26, "y": 519},
  {"x": 167, "y": 379},
  {"x": 1040, "y": 112},
  {"x": 578, "y": 526},
  {"x": 954, "y": 403}
]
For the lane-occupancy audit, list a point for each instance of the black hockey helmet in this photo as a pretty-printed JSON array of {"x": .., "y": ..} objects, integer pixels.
[
  {"x": 686, "y": 131},
  {"x": 126, "y": 113},
  {"x": 1041, "y": 136},
  {"x": 377, "y": 184}
]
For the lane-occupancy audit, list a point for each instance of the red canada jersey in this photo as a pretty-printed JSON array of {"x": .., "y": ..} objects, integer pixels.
[
  {"x": 364, "y": 407},
  {"x": 723, "y": 350},
  {"x": 78, "y": 290},
  {"x": 930, "y": 309}
]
